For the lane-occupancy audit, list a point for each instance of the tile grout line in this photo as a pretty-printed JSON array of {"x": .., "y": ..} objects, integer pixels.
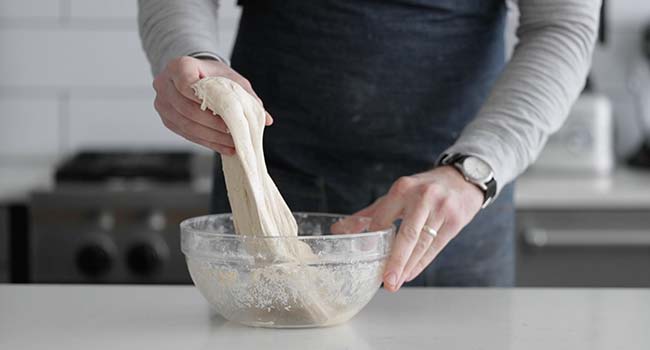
[
  {"x": 64, "y": 121},
  {"x": 65, "y": 11},
  {"x": 67, "y": 23},
  {"x": 78, "y": 91}
]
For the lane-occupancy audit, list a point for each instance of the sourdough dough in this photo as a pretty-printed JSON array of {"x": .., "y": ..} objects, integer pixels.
[{"x": 258, "y": 208}]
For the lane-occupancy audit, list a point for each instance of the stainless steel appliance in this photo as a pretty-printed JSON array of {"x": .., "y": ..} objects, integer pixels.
[
  {"x": 584, "y": 144},
  {"x": 583, "y": 247},
  {"x": 639, "y": 86},
  {"x": 113, "y": 218}
]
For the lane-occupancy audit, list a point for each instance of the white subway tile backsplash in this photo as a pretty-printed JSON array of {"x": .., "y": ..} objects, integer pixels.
[
  {"x": 103, "y": 9},
  {"x": 29, "y": 8},
  {"x": 228, "y": 9},
  {"x": 29, "y": 126},
  {"x": 118, "y": 122},
  {"x": 66, "y": 58},
  {"x": 90, "y": 49}
]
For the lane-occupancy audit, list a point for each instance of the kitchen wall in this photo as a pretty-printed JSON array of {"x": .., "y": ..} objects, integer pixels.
[
  {"x": 74, "y": 75},
  {"x": 615, "y": 62}
]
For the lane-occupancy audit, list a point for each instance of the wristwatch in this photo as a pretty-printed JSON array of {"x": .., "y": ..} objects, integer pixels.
[{"x": 476, "y": 171}]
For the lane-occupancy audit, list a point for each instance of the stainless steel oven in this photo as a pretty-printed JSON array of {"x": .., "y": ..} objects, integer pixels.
[
  {"x": 113, "y": 217},
  {"x": 102, "y": 236}
]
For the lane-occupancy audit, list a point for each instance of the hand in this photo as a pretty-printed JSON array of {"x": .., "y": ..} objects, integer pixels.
[
  {"x": 180, "y": 110},
  {"x": 440, "y": 198}
]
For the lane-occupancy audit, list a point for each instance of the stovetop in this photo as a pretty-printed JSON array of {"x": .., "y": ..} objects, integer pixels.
[{"x": 93, "y": 167}]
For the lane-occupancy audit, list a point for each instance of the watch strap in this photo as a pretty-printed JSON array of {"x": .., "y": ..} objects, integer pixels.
[
  {"x": 490, "y": 192},
  {"x": 489, "y": 188}
]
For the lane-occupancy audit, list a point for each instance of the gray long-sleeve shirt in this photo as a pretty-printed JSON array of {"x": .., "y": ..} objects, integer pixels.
[{"x": 530, "y": 100}]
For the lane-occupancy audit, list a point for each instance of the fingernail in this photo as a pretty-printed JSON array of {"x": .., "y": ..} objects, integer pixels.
[{"x": 391, "y": 279}]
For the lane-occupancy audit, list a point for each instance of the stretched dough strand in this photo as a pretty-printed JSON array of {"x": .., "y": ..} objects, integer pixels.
[{"x": 257, "y": 206}]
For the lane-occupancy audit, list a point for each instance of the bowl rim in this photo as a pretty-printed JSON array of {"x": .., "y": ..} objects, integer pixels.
[{"x": 185, "y": 227}]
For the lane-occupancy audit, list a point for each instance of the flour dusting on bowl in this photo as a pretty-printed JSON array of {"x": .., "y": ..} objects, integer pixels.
[{"x": 262, "y": 291}]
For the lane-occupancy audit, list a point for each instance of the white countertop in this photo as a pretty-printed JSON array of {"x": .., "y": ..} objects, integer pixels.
[
  {"x": 624, "y": 189},
  {"x": 177, "y": 317}
]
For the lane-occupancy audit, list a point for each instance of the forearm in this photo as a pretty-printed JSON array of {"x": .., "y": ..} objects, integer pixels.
[
  {"x": 173, "y": 28},
  {"x": 535, "y": 92}
]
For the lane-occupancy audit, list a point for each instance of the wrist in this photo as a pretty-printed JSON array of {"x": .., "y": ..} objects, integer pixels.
[
  {"x": 207, "y": 55},
  {"x": 475, "y": 171},
  {"x": 466, "y": 188}
]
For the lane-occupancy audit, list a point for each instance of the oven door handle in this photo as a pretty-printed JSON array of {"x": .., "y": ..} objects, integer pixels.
[{"x": 540, "y": 237}]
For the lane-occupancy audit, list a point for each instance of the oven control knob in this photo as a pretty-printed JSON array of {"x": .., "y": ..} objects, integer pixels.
[
  {"x": 145, "y": 258},
  {"x": 94, "y": 260}
]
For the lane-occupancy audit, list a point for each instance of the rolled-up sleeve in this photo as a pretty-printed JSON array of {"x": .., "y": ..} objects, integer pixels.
[
  {"x": 534, "y": 94},
  {"x": 173, "y": 28}
]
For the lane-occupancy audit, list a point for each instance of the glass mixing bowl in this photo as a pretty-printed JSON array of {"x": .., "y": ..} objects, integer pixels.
[{"x": 323, "y": 277}]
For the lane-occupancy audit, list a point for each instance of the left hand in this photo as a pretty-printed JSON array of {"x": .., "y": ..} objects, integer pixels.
[{"x": 441, "y": 199}]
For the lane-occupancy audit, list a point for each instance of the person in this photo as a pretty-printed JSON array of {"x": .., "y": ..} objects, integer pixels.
[{"x": 394, "y": 109}]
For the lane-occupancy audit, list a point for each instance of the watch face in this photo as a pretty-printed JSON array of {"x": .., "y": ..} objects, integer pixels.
[{"x": 477, "y": 170}]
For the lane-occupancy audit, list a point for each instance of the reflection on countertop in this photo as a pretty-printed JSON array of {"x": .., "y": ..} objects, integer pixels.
[{"x": 165, "y": 317}]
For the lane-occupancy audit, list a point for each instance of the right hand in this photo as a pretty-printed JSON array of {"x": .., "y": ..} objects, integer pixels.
[{"x": 180, "y": 110}]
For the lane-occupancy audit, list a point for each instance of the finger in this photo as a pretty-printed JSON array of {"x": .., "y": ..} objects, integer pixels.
[
  {"x": 424, "y": 242},
  {"x": 435, "y": 248},
  {"x": 190, "y": 127},
  {"x": 191, "y": 110},
  {"x": 219, "y": 148},
  {"x": 415, "y": 215},
  {"x": 387, "y": 210},
  {"x": 249, "y": 88},
  {"x": 391, "y": 209},
  {"x": 356, "y": 222},
  {"x": 369, "y": 211},
  {"x": 183, "y": 75},
  {"x": 191, "y": 130},
  {"x": 246, "y": 85},
  {"x": 350, "y": 224}
]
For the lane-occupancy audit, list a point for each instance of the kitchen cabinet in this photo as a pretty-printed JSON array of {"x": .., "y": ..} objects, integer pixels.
[
  {"x": 583, "y": 248},
  {"x": 573, "y": 230},
  {"x": 580, "y": 232},
  {"x": 177, "y": 317}
]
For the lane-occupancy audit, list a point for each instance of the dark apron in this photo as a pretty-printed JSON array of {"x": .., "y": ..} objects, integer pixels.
[{"x": 364, "y": 92}]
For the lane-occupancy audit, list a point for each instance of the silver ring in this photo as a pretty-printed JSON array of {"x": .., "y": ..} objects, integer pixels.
[{"x": 429, "y": 230}]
